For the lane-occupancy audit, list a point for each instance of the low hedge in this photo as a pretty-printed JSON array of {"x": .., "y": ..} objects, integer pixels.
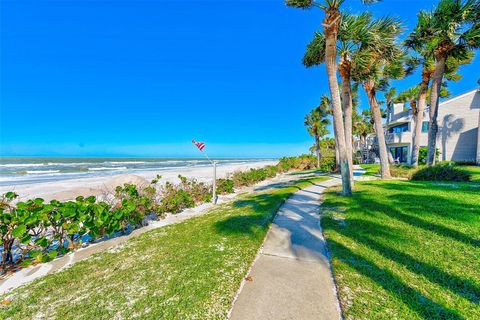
[{"x": 442, "y": 172}]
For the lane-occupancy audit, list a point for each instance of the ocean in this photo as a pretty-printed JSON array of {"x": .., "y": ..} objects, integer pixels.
[{"x": 25, "y": 170}]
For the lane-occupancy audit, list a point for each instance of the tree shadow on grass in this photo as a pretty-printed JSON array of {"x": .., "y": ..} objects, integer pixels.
[
  {"x": 248, "y": 225},
  {"x": 365, "y": 200},
  {"x": 365, "y": 231},
  {"x": 390, "y": 282}
]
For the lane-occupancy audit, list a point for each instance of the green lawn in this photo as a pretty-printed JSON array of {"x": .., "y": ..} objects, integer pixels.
[
  {"x": 190, "y": 270},
  {"x": 474, "y": 171},
  {"x": 406, "y": 250},
  {"x": 372, "y": 169}
]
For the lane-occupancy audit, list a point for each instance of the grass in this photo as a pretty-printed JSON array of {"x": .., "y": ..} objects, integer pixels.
[
  {"x": 474, "y": 171},
  {"x": 371, "y": 169},
  {"x": 406, "y": 250},
  {"x": 191, "y": 270}
]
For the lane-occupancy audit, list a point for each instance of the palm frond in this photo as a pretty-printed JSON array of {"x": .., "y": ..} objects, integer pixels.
[{"x": 315, "y": 51}]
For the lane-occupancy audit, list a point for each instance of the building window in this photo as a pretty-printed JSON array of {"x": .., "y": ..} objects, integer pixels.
[
  {"x": 425, "y": 126},
  {"x": 400, "y": 128}
]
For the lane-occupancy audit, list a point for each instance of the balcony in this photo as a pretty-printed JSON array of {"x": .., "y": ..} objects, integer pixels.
[
  {"x": 398, "y": 137},
  {"x": 392, "y": 138}
]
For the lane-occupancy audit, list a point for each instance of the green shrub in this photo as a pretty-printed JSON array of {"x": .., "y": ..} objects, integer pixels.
[
  {"x": 402, "y": 171},
  {"x": 442, "y": 172},
  {"x": 422, "y": 155},
  {"x": 225, "y": 186},
  {"x": 249, "y": 177},
  {"x": 302, "y": 162},
  {"x": 327, "y": 164}
]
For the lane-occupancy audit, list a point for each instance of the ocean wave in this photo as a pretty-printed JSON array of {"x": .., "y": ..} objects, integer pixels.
[
  {"x": 124, "y": 162},
  {"x": 106, "y": 168},
  {"x": 41, "y": 171}
]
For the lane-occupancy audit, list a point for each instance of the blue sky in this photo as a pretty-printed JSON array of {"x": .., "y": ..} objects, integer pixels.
[{"x": 142, "y": 78}]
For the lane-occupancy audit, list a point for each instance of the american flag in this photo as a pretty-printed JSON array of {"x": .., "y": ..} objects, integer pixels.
[{"x": 200, "y": 145}]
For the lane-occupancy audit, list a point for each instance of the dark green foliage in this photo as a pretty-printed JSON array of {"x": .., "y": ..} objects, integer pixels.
[
  {"x": 442, "y": 172},
  {"x": 42, "y": 230},
  {"x": 422, "y": 155},
  {"x": 327, "y": 164},
  {"x": 247, "y": 178},
  {"x": 224, "y": 186}
]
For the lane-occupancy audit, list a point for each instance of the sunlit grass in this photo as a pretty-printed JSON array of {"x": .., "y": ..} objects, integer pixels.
[{"x": 406, "y": 250}]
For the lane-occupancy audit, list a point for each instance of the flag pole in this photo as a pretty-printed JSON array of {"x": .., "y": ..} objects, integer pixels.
[{"x": 214, "y": 184}]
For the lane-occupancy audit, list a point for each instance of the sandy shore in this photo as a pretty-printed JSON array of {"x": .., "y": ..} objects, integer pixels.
[{"x": 69, "y": 189}]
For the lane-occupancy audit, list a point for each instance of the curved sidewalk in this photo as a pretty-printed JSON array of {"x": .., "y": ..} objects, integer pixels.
[{"x": 291, "y": 277}]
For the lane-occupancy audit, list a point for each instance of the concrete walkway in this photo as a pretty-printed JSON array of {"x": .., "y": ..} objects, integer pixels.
[{"x": 291, "y": 278}]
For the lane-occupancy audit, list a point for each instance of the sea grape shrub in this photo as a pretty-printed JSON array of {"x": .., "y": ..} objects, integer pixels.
[
  {"x": 302, "y": 162},
  {"x": 186, "y": 194},
  {"x": 174, "y": 199},
  {"x": 247, "y": 178},
  {"x": 131, "y": 206},
  {"x": 225, "y": 186},
  {"x": 199, "y": 191},
  {"x": 442, "y": 172}
]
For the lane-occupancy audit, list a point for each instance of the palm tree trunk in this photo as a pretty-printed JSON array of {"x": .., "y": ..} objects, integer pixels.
[
  {"x": 347, "y": 114},
  {"x": 422, "y": 99},
  {"x": 317, "y": 149},
  {"x": 440, "y": 61},
  {"x": 331, "y": 23},
  {"x": 369, "y": 87}
]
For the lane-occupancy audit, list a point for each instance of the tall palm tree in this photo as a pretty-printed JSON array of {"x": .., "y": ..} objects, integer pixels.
[
  {"x": 316, "y": 122},
  {"x": 452, "y": 30},
  {"x": 353, "y": 31},
  {"x": 418, "y": 41},
  {"x": 374, "y": 65},
  {"x": 331, "y": 23}
]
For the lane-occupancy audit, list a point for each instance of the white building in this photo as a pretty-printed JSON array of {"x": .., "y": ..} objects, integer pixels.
[{"x": 458, "y": 136}]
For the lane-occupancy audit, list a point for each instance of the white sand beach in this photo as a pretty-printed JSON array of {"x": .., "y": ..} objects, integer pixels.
[{"x": 69, "y": 189}]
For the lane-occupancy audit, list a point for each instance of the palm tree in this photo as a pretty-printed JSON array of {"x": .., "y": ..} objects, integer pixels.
[
  {"x": 353, "y": 31},
  {"x": 374, "y": 65},
  {"x": 331, "y": 23},
  {"x": 418, "y": 41},
  {"x": 451, "y": 30},
  {"x": 316, "y": 122}
]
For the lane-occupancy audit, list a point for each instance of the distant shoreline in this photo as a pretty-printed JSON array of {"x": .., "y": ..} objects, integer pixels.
[
  {"x": 98, "y": 183},
  {"x": 26, "y": 170}
]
